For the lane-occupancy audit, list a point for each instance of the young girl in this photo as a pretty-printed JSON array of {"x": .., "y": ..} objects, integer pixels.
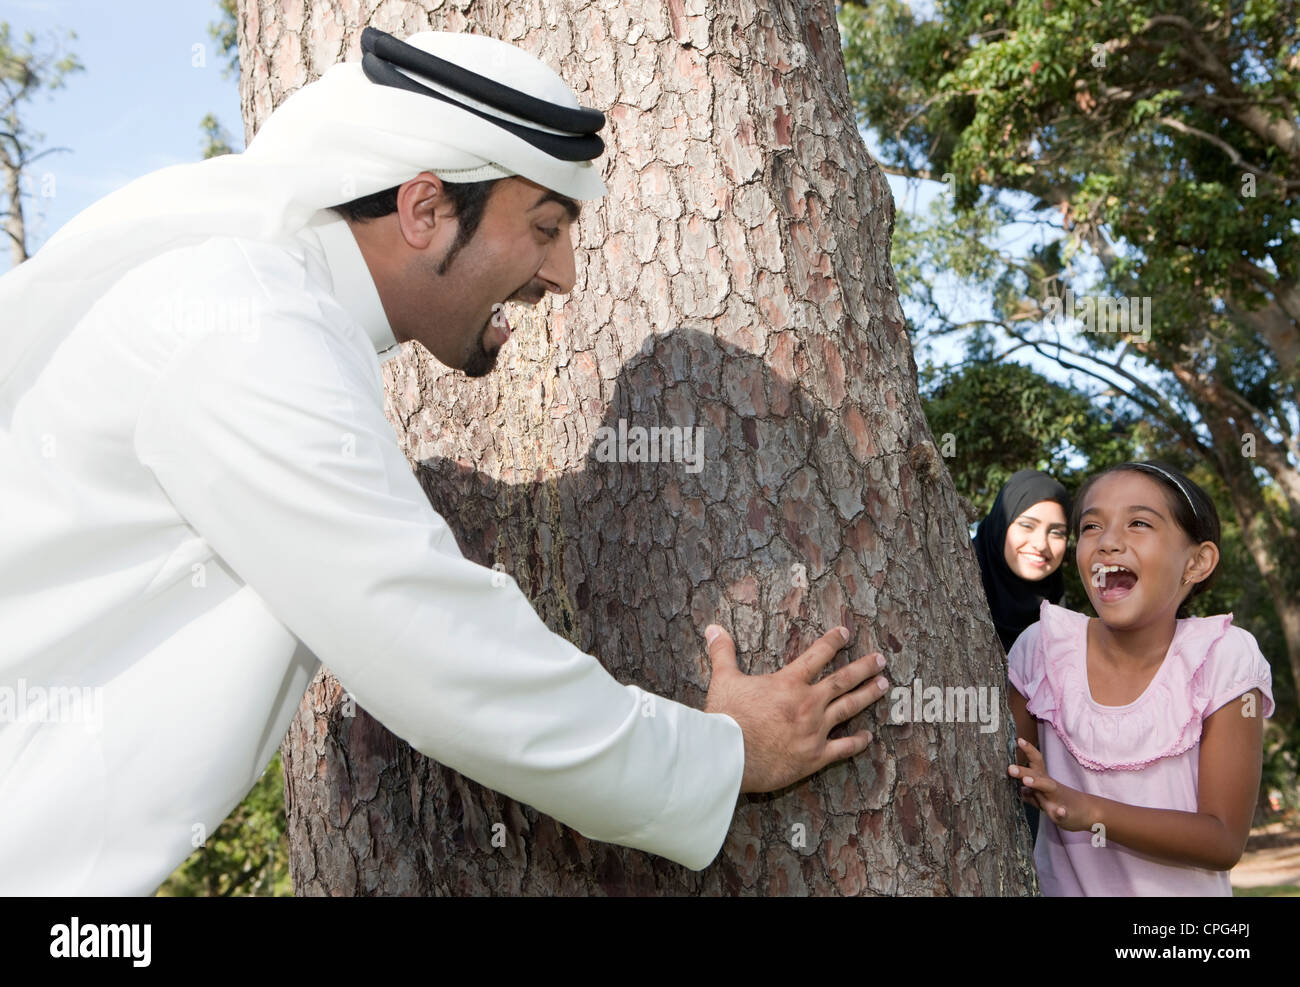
[{"x": 1150, "y": 726}]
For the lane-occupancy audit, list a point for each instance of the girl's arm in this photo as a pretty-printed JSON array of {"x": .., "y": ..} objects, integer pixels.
[
  {"x": 1231, "y": 758},
  {"x": 1026, "y": 722}
]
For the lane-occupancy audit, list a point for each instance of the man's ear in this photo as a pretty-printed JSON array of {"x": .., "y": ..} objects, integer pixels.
[{"x": 422, "y": 209}]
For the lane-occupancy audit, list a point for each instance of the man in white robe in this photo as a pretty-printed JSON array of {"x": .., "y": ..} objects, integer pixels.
[{"x": 201, "y": 498}]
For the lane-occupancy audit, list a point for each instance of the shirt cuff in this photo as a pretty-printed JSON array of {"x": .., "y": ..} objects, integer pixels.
[{"x": 698, "y": 814}]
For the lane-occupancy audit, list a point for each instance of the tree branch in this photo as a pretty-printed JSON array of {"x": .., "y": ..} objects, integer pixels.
[
  {"x": 922, "y": 173},
  {"x": 1280, "y": 130},
  {"x": 1154, "y": 404},
  {"x": 49, "y": 150},
  {"x": 1233, "y": 154}
]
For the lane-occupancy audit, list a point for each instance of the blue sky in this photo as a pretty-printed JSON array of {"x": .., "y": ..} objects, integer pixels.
[{"x": 135, "y": 108}]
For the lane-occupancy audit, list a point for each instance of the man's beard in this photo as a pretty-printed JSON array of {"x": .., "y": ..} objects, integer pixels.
[{"x": 480, "y": 362}]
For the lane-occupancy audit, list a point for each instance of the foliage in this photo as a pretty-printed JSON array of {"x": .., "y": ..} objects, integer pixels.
[
  {"x": 1005, "y": 417},
  {"x": 1147, "y": 150},
  {"x": 248, "y": 854},
  {"x": 225, "y": 32},
  {"x": 216, "y": 141},
  {"x": 1158, "y": 140},
  {"x": 27, "y": 67}
]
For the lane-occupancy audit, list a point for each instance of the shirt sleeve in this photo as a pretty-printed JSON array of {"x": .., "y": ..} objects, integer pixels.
[
  {"x": 1236, "y": 666},
  {"x": 274, "y": 447},
  {"x": 1025, "y": 670}
]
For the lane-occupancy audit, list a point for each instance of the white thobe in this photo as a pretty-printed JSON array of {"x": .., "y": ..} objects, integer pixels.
[{"x": 201, "y": 499}]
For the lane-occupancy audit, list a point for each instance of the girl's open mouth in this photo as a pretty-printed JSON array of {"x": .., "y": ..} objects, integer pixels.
[{"x": 1113, "y": 582}]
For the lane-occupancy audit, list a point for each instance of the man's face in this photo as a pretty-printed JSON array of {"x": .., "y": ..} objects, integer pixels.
[{"x": 521, "y": 250}]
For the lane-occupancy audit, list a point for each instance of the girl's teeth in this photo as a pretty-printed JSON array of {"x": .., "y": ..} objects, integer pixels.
[{"x": 1099, "y": 571}]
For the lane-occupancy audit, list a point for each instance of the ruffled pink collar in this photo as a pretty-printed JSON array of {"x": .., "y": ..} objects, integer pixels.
[{"x": 1164, "y": 721}]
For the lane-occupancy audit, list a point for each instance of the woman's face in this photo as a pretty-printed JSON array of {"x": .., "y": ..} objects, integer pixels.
[{"x": 1035, "y": 544}]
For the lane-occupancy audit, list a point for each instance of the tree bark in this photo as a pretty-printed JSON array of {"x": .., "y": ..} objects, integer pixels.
[
  {"x": 737, "y": 279},
  {"x": 14, "y": 226},
  {"x": 1267, "y": 536}
]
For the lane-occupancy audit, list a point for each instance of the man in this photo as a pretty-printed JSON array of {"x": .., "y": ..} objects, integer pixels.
[{"x": 202, "y": 498}]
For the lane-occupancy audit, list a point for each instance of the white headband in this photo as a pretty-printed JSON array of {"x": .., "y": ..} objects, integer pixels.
[{"x": 1171, "y": 479}]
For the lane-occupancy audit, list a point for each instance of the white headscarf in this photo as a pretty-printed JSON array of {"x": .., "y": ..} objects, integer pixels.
[{"x": 334, "y": 140}]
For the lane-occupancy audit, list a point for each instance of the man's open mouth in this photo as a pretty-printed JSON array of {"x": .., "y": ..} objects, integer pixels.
[
  {"x": 499, "y": 327},
  {"x": 1113, "y": 582}
]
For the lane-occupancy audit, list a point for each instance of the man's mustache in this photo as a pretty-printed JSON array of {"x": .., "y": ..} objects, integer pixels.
[{"x": 530, "y": 294}]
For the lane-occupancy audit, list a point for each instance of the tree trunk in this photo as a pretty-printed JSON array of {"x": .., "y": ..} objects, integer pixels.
[
  {"x": 735, "y": 279},
  {"x": 1267, "y": 528},
  {"x": 15, "y": 225},
  {"x": 1267, "y": 536}
]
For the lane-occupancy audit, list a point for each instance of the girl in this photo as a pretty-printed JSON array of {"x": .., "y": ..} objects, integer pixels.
[
  {"x": 1150, "y": 726},
  {"x": 1020, "y": 546}
]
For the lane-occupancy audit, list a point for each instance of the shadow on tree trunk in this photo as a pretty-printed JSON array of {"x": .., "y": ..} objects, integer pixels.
[{"x": 793, "y": 522}]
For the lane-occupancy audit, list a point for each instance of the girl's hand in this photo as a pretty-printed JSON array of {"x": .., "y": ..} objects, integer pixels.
[{"x": 1071, "y": 810}]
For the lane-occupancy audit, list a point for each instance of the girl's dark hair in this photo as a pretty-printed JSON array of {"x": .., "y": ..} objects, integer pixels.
[
  {"x": 1191, "y": 508},
  {"x": 469, "y": 198}
]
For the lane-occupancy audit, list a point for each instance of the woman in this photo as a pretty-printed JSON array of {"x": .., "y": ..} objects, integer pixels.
[{"x": 1020, "y": 547}]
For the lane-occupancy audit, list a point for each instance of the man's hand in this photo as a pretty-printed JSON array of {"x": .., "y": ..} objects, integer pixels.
[{"x": 785, "y": 716}]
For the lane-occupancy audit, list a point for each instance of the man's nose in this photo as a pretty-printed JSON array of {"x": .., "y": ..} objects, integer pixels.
[{"x": 557, "y": 270}]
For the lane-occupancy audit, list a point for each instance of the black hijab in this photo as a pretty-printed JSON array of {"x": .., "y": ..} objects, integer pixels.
[{"x": 1013, "y": 601}]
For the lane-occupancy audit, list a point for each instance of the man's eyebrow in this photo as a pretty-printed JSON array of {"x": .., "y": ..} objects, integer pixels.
[{"x": 571, "y": 207}]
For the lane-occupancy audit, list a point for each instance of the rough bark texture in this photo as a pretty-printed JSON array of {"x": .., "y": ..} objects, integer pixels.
[
  {"x": 1263, "y": 529},
  {"x": 736, "y": 278},
  {"x": 14, "y": 224}
]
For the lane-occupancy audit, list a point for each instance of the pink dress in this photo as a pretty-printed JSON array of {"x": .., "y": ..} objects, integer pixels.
[{"x": 1146, "y": 753}]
